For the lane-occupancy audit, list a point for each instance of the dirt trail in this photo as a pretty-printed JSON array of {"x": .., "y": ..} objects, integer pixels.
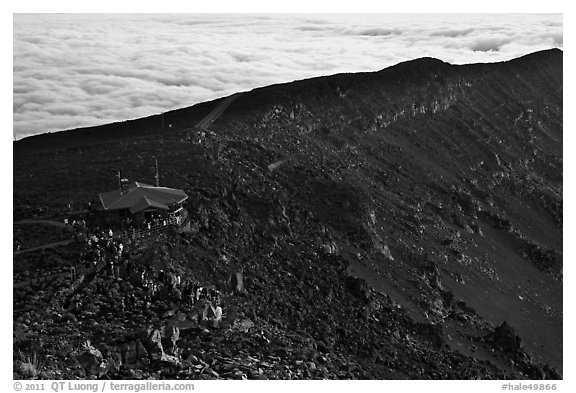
[
  {"x": 50, "y": 277},
  {"x": 47, "y": 222},
  {"x": 216, "y": 112},
  {"x": 49, "y": 245}
]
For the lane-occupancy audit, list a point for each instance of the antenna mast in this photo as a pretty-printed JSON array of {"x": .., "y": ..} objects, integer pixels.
[{"x": 157, "y": 174}]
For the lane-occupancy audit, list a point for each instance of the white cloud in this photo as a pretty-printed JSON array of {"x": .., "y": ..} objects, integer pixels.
[{"x": 82, "y": 70}]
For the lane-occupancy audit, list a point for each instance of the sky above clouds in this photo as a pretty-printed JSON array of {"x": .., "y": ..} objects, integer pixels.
[{"x": 78, "y": 70}]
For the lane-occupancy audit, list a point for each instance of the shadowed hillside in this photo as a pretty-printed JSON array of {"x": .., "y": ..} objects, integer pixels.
[{"x": 405, "y": 223}]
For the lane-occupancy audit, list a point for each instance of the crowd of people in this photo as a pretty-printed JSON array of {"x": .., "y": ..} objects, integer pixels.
[
  {"x": 132, "y": 227},
  {"x": 78, "y": 227},
  {"x": 108, "y": 255}
]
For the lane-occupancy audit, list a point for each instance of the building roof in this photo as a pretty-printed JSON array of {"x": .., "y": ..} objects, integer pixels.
[{"x": 140, "y": 196}]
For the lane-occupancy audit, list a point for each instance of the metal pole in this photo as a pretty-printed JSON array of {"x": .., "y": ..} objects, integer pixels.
[{"x": 157, "y": 174}]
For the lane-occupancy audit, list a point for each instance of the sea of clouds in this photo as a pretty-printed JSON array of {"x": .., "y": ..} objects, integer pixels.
[{"x": 77, "y": 70}]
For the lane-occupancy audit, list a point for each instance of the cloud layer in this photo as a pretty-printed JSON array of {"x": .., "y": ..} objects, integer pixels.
[{"x": 82, "y": 70}]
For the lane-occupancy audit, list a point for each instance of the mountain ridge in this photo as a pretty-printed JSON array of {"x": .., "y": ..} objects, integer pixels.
[{"x": 154, "y": 121}]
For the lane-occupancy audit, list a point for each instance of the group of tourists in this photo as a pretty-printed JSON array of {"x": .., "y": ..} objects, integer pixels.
[
  {"x": 78, "y": 227},
  {"x": 105, "y": 253},
  {"x": 169, "y": 285},
  {"x": 133, "y": 227}
]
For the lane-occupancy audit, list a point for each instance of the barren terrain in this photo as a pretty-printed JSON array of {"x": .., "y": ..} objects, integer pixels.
[{"x": 405, "y": 223}]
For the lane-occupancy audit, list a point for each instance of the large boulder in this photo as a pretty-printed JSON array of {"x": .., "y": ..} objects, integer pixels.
[
  {"x": 90, "y": 359},
  {"x": 172, "y": 360},
  {"x": 359, "y": 288},
  {"x": 505, "y": 338},
  {"x": 153, "y": 344},
  {"x": 237, "y": 283},
  {"x": 170, "y": 335}
]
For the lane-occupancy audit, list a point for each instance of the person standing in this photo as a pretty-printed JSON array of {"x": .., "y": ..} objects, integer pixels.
[
  {"x": 217, "y": 315},
  {"x": 191, "y": 297}
]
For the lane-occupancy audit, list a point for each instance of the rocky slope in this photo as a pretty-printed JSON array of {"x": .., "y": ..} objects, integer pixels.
[{"x": 405, "y": 223}]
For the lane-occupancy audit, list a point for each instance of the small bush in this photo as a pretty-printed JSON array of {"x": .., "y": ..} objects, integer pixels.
[{"x": 30, "y": 366}]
